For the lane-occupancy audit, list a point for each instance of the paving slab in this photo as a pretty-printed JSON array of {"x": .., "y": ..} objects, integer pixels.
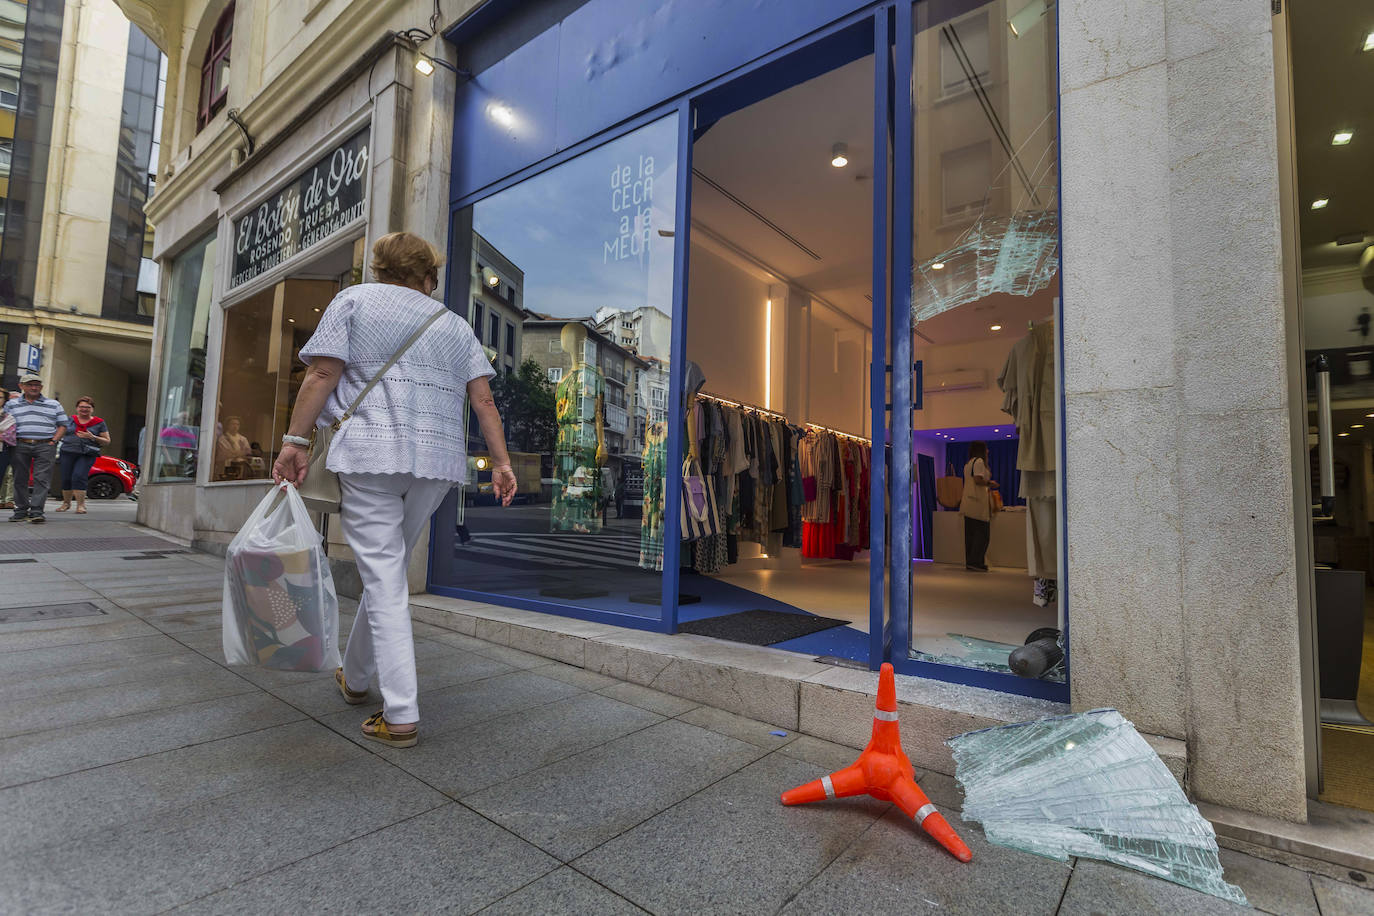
[
  {"x": 158, "y": 862},
  {"x": 1339, "y": 899},
  {"x": 53, "y": 753},
  {"x": 578, "y": 677},
  {"x": 447, "y": 859},
  {"x": 563, "y": 891},
  {"x": 178, "y": 661},
  {"x": 896, "y": 868},
  {"x": 37, "y": 714},
  {"x": 78, "y": 803},
  {"x": 48, "y": 658},
  {"x": 491, "y": 752},
  {"x": 1103, "y": 889},
  {"x": 750, "y": 730},
  {"x": 665, "y": 704},
  {"x": 26, "y": 638},
  {"x": 452, "y": 708},
  {"x": 1271, "y": 887},
  {"x": 318, "y": 695},
  {"x": 577, "y": 804},
  {"x": 750, "y": 853}
]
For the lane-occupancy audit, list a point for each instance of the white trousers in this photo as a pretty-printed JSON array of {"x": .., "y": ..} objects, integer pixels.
[{"x": 383, "y": 516}]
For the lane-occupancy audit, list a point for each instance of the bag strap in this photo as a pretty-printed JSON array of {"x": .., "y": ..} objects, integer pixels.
[{"x": 389, "y": 363}]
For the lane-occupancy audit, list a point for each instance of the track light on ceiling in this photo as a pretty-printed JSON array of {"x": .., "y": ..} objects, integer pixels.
[{"x": 839, "y": 155}]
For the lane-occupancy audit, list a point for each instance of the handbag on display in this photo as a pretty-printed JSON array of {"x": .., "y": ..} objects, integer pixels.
[
  {"x": 994, "y": 501},
  {"x": 321, "y": 492},
  {"x": 700, "y": 517},
  {"x": 949, "y": 490}
]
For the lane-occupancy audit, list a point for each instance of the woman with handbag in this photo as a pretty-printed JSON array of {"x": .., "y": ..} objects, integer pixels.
[
  {"x": 976, "y": 507},
  {"x": 391, "y": 374},
  {"x": 7, "y": 442},
  {"x": 78, "y": 454}
]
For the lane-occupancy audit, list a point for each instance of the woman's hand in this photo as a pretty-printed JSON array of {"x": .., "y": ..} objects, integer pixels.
[
  {"x": 292, "y": 464},
  {"x": 504, "y": 485},
  {"x": 994, "y": 485}
]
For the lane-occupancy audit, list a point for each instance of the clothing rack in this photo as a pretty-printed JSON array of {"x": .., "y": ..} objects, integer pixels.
[
  {"x": 731, "y": 402},
  {"x": 836, "y": 432}
]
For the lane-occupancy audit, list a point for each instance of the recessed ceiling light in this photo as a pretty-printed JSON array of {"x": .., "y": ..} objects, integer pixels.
[
  {"x": 1369, "y": 42},
  {"x": 317, "y": 310},
  {"x": 1342, "y": 137},
  {"x": 995, "y": 327},
  {"x": 839, "y": 155},
  {"x": 292, "y": 320},
  {"x": 1357, "y": 426},
  {"x": 1320, "y": 203},
  {"x": 1342, "y": 435},
  {"x": 938, "y": 265}
]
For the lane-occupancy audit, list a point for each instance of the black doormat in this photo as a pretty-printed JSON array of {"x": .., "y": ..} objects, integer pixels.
[{"x": 759, "y": 627}]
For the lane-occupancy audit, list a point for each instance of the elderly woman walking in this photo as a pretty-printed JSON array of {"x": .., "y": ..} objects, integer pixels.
[{"x": 397, "y": 456}]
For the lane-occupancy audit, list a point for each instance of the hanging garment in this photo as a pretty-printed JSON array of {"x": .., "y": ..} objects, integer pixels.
[
  {"x": 655, "y": 479},
  {"x": 580, "y": 451}
]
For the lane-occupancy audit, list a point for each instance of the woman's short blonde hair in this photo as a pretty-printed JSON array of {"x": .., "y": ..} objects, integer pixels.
[{"x": 406, "y": 259}]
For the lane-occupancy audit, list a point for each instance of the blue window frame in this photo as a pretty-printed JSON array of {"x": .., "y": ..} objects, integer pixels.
[{"x": 747, "y": 72}]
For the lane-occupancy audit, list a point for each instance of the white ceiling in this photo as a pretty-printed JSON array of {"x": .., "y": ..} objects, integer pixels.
[
  {"x": 1333, "y": 82},
  {"x": 129, "y": 356},
  {"x": 775, "y": 156}
]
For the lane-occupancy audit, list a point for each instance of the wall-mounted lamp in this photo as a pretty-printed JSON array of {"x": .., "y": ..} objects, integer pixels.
[
  {"x": 426, "y": 64},
  {"x": 1028, "y": 16},
  {"x": 839, "y": 155}
]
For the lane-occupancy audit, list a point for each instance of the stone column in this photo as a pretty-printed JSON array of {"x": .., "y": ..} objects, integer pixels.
[{"x": 1182, "y": 572}]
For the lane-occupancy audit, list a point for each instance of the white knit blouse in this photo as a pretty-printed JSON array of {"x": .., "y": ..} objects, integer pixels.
[{"x": 413, "y": 421}]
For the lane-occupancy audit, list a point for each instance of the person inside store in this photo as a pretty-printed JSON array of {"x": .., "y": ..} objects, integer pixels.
[
  {"x": 397, "y": 456},
  {"x": 40, "y": 425},
  {"x": 79, "y": 451},
  {"x": 232, "y": 451},
  {"x": 7, "y": 442},
  {"x": 976, "y": 507}
]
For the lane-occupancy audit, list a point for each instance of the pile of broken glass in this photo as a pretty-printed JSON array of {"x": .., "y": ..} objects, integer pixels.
[
  {"x": 1087, "y": 785},
  {"x": 1018, "y": 255}
]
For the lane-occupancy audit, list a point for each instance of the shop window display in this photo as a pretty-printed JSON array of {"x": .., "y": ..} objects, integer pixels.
[
  {"x": 576, "y": 247},
  {"x": 985, "y": 292},
  {"x": 173, "y": 441},
  {"x": 261, "y": 373}
]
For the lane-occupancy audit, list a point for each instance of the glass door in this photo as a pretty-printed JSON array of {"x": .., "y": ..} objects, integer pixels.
[{"x": 976, "y": 160}]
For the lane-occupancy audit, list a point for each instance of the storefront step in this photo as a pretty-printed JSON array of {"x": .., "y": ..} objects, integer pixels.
[
  {"x": 1335, "y": 835},
  {"x": 791, "y": 691}
]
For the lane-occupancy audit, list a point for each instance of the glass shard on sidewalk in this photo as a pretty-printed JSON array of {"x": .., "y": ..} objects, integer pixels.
[
  {"x": 1087, "y": 785},
  {"x": 1018, "y": 255}
]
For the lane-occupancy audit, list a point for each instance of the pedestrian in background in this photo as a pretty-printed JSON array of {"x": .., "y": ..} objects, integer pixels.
[
  {"x": 397, "y": 457},
  {"x": 7, "y": 442},
  {"x": 41, "y": 424},
  {"x": 976, "y": 507},
  {"x": 79, "y": 450}
]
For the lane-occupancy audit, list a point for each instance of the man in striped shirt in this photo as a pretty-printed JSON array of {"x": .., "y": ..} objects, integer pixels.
[{"x": 41, "y": 424}]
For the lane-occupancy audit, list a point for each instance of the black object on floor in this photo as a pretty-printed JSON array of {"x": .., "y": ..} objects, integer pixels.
[
  {"x": 761, "y": 628},
  {"x": 573, "y": 591},
  {"x": 657, "y": 598}
]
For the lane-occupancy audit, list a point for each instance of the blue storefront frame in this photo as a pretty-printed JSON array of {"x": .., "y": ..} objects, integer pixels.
[{"x": 776, "y": 31}]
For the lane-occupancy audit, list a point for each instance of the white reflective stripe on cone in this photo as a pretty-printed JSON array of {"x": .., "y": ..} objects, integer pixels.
[
  {"x": 829, "y": 787},
  {"x": 924, "y": 812},
  {"x": 884, "y": 716}
]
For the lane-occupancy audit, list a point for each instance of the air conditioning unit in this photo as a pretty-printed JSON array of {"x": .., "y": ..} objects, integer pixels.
[{"x": 955, "y": 380}]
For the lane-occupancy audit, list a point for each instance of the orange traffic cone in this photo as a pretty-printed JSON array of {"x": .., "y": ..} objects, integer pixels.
[{"x": 884, "y": 772}]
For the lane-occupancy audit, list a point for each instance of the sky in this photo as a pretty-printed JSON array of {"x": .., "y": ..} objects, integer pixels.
[{"x": 563, "y": 228}]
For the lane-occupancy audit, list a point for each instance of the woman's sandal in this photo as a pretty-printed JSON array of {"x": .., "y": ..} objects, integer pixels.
[
  {"x": 376, "y": 728},
  {"x": 351, "y": 697}
]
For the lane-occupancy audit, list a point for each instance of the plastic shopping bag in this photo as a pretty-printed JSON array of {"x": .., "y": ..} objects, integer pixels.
[{"x": 280, "y": 609}]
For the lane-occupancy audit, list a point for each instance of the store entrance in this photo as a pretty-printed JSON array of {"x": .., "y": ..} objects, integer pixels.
[
  {"x": 780, "y": 318},
  {"x": 1332, "y": 44}
]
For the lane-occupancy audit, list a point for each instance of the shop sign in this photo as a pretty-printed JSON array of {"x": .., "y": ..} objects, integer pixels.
[{"x": 322, "y": 200}]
